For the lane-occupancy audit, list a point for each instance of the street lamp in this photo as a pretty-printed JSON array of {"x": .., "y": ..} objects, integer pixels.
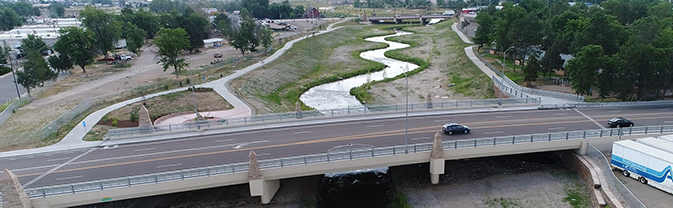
[
  {"x": 502, "y": 79},
  {"x": 406, "y": 114},
  {"x": 198, "y": 123},
  {"x": 11, "y": 65}
]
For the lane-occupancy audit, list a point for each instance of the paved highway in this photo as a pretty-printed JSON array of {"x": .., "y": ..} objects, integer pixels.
[
  {"x": 8, "y": 91},
  {"x": 151, "y": 157}
]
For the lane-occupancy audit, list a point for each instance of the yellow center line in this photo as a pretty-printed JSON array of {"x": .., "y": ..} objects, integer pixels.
[{"x": 333, "y": 139}]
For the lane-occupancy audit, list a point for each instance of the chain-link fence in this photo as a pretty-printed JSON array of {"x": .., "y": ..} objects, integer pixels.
[
  {"x": 12, "y": 107},
  {"x": 617, "y": 187}
]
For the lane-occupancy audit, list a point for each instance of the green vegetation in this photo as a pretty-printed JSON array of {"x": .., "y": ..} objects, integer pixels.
[
  {"x": 502, "y": 202},
  {"x": 576, "y": 198},
  {"x": 399, "y": 200}
]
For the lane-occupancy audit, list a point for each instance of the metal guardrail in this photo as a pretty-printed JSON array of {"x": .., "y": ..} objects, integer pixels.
[
  {"x": 588, "y": 105},
  {"x": 366, "y": 109},
  {"x": 626, "y": 198},
  {"x": 333, "y": 156},
  {"x": 545, "y": 93}
]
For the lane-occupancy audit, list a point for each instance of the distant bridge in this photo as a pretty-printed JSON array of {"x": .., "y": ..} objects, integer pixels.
[{"x": 399, "y": 18}]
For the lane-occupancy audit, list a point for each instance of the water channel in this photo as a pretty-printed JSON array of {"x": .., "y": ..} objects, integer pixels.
[{"x": 337, "y": 95}]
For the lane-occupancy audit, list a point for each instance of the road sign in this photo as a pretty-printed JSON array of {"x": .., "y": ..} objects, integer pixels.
[{"x": 84, "y": 125}]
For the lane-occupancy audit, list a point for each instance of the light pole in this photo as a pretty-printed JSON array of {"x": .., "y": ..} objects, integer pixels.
[
  {"x": 502, "y": 79},
  {"x": 198, "y": 125},
  {"x": 406, "y": 114},
  {"x": 11, "y": 65}
]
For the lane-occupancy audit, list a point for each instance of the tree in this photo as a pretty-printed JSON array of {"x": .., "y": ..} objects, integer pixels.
[
  {"x": 584, "y": 68},
  {"x": 106, "y": 29},
  {"x": 9, "y": 19},
  {"x": 552, "y": 59},
  {"x": 56, "y": 10},
  {"x": 223, "y": 23},
  {"x": 146, "y": 20},
  {"x": 61, "y": 63},
  {"x": 265, "y": 38},
  {"x": 662, "y": 9},
  {"x": 135, "y": 37},
  {"x": 601, "y": 29},
  {"x": 161, "y": 6},
  {"x": 257, "y": 8},
  {"x": 483, "y": 34},
  {"x": 33, "y": 43},
  {"x": 531, "y": 69},
  {"x": 25, "y": 9},
  {"x": 35, "y": 72},
  {"x": 171, "y": 42},
  {"x": 195, "y": 25},
  {"x": 78, "y": 45}
]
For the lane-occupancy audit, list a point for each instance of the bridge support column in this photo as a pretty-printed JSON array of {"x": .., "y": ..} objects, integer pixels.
[
  {"x": 436, "y": 159},
  {"x": 259, "y": 186},
  {"x": 13, "y": 195}
]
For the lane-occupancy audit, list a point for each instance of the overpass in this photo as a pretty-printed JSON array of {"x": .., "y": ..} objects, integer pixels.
[
  {"x": 400, "y": 18},
  {"x": 128, "y": 171}
]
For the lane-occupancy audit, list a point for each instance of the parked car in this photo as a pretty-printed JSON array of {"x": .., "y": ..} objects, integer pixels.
[
  {"x": 455, "y": 128},
  {"x": 217, "y": 55},
  {"x": 107, "y": 59},
  {"x": 619, "y": 122}
]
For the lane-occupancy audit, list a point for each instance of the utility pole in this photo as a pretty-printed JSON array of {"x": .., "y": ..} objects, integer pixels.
[{"x": 11, "y": 65}]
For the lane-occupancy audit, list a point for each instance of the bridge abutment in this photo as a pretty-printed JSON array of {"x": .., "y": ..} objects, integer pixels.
[
  {"x": 13, "y": 195},
  {"x": 437, "y": 159},
  {"x": 259, "y": 186}
]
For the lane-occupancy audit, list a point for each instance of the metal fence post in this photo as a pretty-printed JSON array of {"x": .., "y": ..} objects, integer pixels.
[
  {"x": 601, "y": 135},
  {"x": 304, "y": 160},
  {"x": 494, "y": 141},
  {"x": 332, "y": 112},
  {"x": 567, "y": 135},
  {"x": 549, "y": 137},
  {"x": 169, "y": 127},
  {"x": 156, "y": 179},
  {"x": 364, "y": 107},
  {"x": 646, "y": 130},
  {"x": 72, "y": 188},
  {"x": 662, "y": 130},
  {"x": 43, "y": 194},
  {"x": 128, "y": 181},
  {"x": 349, "y": 109},
  {"x": 475, "y": 143},
  {"x": 101, "y": 184},
  {"x": 531, "y": 138},
  {"x": 585, "y": 135},
  {"x": 182, "y": 175},
  {"x": 455, "y": 145}
]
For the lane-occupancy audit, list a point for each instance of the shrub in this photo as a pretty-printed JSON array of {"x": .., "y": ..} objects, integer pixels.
[
  {"x": 180, "y": 83},
  {"x": 114, "y": 122},
  {"x": 187, "y": 81},
  {"x": 4, "y": 70},
  {"x": 165, "y": 87},
  {"x": 134, "y": 116}
]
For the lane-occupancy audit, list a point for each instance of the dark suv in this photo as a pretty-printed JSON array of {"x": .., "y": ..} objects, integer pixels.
[
  {"x": 455, "y": 128},
  {"x": 619, "y": 122}
]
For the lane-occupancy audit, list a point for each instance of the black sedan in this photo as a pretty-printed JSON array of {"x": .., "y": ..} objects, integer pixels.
[
  {"x": 619, "y": 122},
  {"x": 455, "y": 128}
]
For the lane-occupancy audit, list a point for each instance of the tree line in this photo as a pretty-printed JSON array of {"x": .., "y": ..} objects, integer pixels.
[{"x": 621, "y": 49}]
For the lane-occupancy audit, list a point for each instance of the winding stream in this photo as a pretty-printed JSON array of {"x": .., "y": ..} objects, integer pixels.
[{"x": 337, "y": 94}]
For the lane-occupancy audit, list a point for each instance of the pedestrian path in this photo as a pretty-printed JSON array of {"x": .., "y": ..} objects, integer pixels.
[{"x": 469, "y": 51}]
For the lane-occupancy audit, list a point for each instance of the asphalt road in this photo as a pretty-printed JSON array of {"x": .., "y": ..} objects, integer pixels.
[
  {"x": 7, "y": 88},
  {"x": 152, "y": 157}
]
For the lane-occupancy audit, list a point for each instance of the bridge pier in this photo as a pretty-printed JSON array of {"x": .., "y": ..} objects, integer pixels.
[
  {"x": 13, "y": 195},
  {"x": 437, "y": 159},
  {"x": 259, "y": 186}
]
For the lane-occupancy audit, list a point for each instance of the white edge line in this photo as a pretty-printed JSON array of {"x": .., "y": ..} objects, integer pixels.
[
  {"x": 420, "y": 138},
  {"x": 380, "y": 125},
  {"x": 65, "y": 158},
  {"x": 493, "y": 132},
  {"x": 145, "y": 149},
  {"x": 303, "y": 132},
  {"x": 590, "y": 119}
]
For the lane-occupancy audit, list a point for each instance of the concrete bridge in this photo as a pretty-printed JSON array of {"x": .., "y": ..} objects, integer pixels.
[{"x": 399, "y": 18}]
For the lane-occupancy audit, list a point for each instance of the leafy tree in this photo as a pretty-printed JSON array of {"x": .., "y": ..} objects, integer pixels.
[
  {"x": 257, "y": 8},
  {"x": 34, "y": 44},
  {"x": 299, "y": 10},
  {"x": 531, "y": 69},
  {"x": 62, "y": 62},
  {"x": 584, "y": 68},
  {"x": 171, "y": 42},
  {"x": 265, "y": 38},
  {"x": 625, "y": 11},
  {"x": 25, "y": 9},
  {"x": 78, "y": 45},
  {"x": 552, "y": 59},
  {"x": 146, "y": 20},
  {"x": 223, "y": 23},
  {"x": 35, "y": 72},
  {"x": 135, "y": 37},
  {"x": 3, "y": 55},
  {"x": 9, "y": 19},
  {"x": 195, "y": 25},
  {"x": 56, "y": 10},
  {"x": 602, "y": 30},
  {"x": 161, "y": 6},
  {"x": 483, "y": 34},
  {"x": 525, "y": 33},
  {"x": 662, "y": 9},
  {"x": 106, "y": 29}
]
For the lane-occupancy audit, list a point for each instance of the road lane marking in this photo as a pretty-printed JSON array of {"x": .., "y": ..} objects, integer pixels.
[
  {"x": 57, "y": 167},
  {"x": 442, "y": 121},
  {"x": 590, "y": 119},
  {"x": 57, "y": 159},
  {"x": 303, "y": 132},
  {"x": 145, "y": 149},
  {"x": 617, "y": 111},
  {"x": 171, "y": 165},
  {"x": 263, "y": 154},
  {"x": 663, "y": 109},
  {"x": 503, "y": 116},
  {"x": 493, "y": 132},
  {"x": 72, "y": 177},
  {"x": 239, "y": 146},
  {"x": 48, "y": 155},
  {"x": 343, "y": 138},
  {"x": 226, "y": 140},
  {"x": 380, "y": 125},
  {"x": 556, "y": 128},
  {"x": 560, "y": 114},
  {"x": 668, "y": 121},
  {"x": 420, "y": 138}
]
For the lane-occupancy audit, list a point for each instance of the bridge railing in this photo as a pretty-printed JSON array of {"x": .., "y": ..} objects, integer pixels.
[
  {"x": 366, "y": 109},
  {"x": 588, "y": 105},
  {"x": 334, "y": 156},
  {"x": 510, "y": 83}
]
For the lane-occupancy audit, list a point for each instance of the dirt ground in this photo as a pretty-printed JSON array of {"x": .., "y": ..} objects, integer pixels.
[
  {"x": 448, "y": 64},
  {"x": 103, "y": 81}
]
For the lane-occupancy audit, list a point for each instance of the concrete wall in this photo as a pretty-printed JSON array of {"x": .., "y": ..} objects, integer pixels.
[{"x": 298, "y": 171}]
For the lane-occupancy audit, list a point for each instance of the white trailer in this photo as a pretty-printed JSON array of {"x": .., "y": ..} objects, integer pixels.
[
  {"x": 646, "y": 164},
  {"x": 661, "y": 144}
]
